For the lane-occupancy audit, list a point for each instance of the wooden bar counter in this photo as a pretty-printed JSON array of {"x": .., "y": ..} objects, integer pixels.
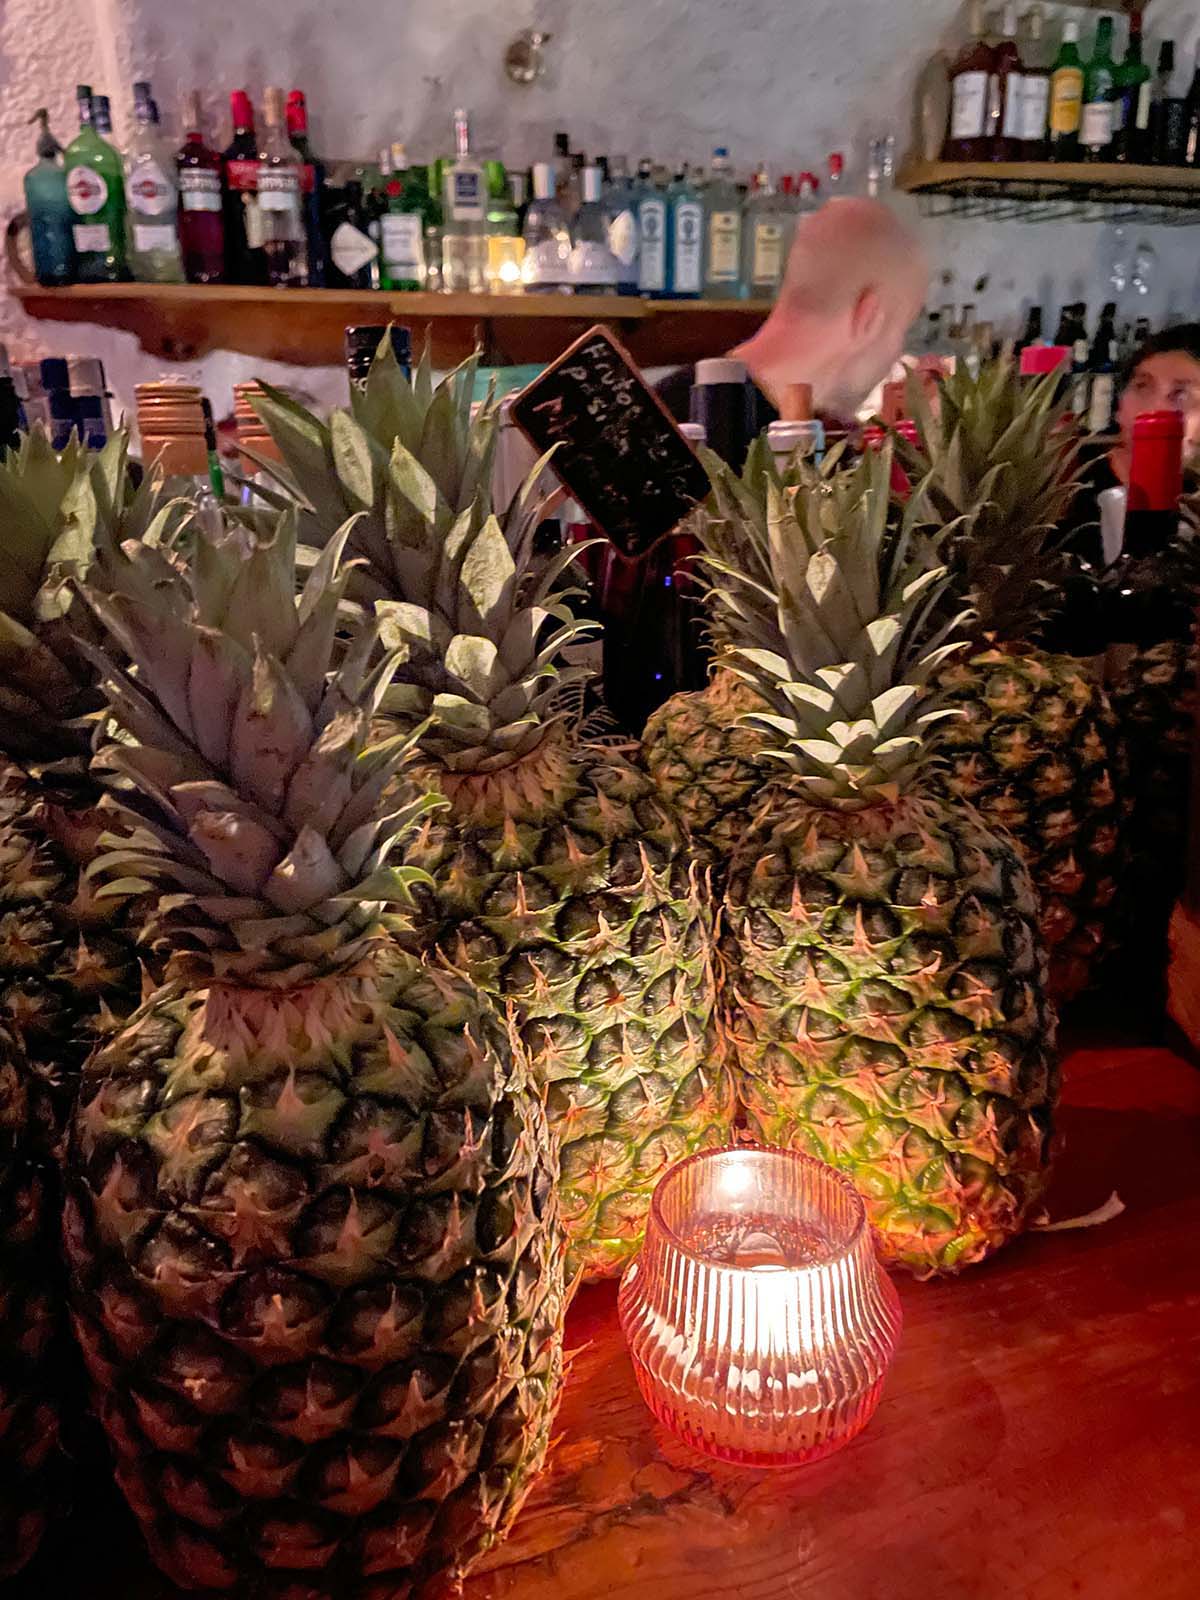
[{"x": 1039, "y": 1438}]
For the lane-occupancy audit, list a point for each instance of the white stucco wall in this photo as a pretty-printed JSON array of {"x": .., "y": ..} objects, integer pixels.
[{"x": 779, "y": 80}]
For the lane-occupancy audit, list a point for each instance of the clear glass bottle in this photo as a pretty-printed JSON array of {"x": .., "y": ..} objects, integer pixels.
[
  {"x": 151, "y": 197},
  {"x": 685, "y": 238},
  {"x": 546, "y": 268},
  {"x": 505, "y": 246},
  {"x": 652, "y": 232},
  {"x": 312, "y": 183},
  {"x": 1037, "y": 61},
  {"x": 96, "y": 191},
  {"x": 50, "y": 215},
  {"x": 620, "y": 215},
  {"x": 723, "y": 230},
  {"x": 766, "y": 236},
  {"x": 464, "y": 221},
  {"x": 594, "y": 268},
  {"x": 279, "y": 198}
]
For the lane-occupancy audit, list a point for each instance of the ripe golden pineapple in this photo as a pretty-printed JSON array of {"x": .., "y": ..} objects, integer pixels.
[
  {"x": 562, "y": 882},
  {"x": 885, "y": 991},
  {"x": 311, "y": 1222}
]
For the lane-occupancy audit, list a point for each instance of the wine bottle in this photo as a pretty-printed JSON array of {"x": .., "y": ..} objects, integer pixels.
[{"x": 1148, "y": 597}]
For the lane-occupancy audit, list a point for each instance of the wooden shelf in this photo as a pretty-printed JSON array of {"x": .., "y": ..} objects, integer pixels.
[
  {"x": 1045, "y": 190},
  {"x": 180, "y": 322}
]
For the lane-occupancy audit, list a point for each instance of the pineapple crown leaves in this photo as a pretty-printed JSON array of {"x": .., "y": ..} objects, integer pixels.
[
  {"x": 843, "y": 634},
  {"x": 63, "y": 516},
  {"x": 255, "y": 806},
  {"x": 997, "y": 454},
  {"x": 479, "y": 634}
]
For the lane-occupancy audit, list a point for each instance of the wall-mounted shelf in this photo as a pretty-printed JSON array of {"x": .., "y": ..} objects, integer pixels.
[
  {"x": 1049, "y": 191},
  {"x": 180, "y": 322}
]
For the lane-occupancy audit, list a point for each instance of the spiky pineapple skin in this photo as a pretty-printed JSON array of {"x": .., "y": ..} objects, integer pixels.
[
  {"x": 887, "y": 1012},
  {"x": 565, "y": 887},
  {"x": 707, "y": 762},
  {"x": 317, "y": 1277},
  {"x": 1036, "y": 749}
]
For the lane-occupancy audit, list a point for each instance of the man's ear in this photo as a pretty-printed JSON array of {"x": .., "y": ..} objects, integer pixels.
[{"x": 866, "y": 316}]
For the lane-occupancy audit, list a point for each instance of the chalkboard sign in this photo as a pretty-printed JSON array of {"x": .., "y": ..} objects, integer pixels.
[{"x": 619, "y": 452}]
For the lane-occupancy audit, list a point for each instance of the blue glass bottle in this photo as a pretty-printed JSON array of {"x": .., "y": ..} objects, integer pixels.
[
  {"x": 620, "y": 216},
  {"x": 652, "y": 213},
  {"x": 685, "y": 238},
  {"x": 50, "y": 215}
]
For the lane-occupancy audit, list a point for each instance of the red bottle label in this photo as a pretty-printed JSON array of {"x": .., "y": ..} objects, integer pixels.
[{"x": 242, "y": 175}]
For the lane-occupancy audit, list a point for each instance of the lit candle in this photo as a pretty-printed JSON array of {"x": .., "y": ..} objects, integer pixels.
[{"x": 760, "y": 1323}]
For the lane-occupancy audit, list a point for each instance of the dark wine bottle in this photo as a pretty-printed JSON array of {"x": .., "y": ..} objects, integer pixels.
[{"x": 1148, "y": 597}]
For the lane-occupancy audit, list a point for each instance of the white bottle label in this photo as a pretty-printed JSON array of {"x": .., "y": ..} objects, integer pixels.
[
  {"x": 546, "y": 263},
  {"x": 150, "y": 236},
  {"x": 147, "y": 190},
  {"x": 1101, "y": 405},
  {"x": 689, "y": 232},
  {"x": 253, "y": 219},
  {"x": 1143, "y": 106},
  {"x": 351, "y": 250},
  {"x": 1035, "y": 108},
  {"x": 1014, "y": 104},
  {"x": 969, "y": 116},
  {"x": 91, "y": 236},
  {"x": 199, "y": 189},
  {"x": 652, "y": 223},
  {"x": 623, "y": 237},
  {"x": 466, "y": 196},
  {"x": 724, "y": 246},
  {"x": 767, "y": 265},
  {"x": 593, "y": 265},
  {"x": 86, "y": 190},
  {"x": 403, "y": 244},
  {"x": 279, "y": 189},
  {"x": 1097, "y": 130}
]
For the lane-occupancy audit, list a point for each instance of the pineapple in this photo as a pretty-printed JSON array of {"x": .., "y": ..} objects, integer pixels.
[
  {"x": 885, "y": 991},
  {"x": 317, "y": 1265},
  {"x": 1038, "y": 749},
  {"x": 562, "y": 882}
]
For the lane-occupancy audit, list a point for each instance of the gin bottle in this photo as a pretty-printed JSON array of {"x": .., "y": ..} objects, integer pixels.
[
  {"x": 766, "y": 235},
  {"x": 96, "y": 191},
  {"x": 723, "y": 230},
  {"x": 151, "y": 197},
  {"x": 546, "y": 268},
  {"x": 594, "y": 268},
  {"x": 620, "y": 215},
  {"x": 402, "y": 225},
  {"x": 279, "y": 199},
  {"x": 685, "y": 238},
  {"x": 464, "y": 226},
  {"x": 651, "y": 206}
]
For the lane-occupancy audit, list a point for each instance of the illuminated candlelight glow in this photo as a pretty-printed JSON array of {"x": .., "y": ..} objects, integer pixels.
[{"x": 759, "y": 1321}]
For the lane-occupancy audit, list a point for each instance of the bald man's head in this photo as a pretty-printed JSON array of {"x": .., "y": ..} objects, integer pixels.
[{"x": 856, "y": 278}]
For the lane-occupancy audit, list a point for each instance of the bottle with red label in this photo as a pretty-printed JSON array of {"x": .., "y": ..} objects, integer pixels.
[
  {"x": 312, "y": 182},
  {"x": 151, "y": 197},
  {"x": 245, "y": 260},
  {"x": 201, "y": 222},
  {"x": 96, "y": 194}
]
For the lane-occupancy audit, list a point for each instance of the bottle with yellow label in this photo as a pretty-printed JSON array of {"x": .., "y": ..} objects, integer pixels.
[{"x": 1066, "y": 97}]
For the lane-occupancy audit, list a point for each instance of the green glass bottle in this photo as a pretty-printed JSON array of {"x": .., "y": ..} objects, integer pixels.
[
  {"x": 96, "y": 191},
  {"x": 402, "y": 226},
  {"x": 1099, "y": 96},
  {"x": 1132, "y": 100}
]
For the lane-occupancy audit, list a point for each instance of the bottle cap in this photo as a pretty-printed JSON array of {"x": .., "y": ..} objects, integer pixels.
[
  {"x": 837, "y": 164},
  {"x": 543, "y": 180},
  {"x": 593, "y": 182},
  {"x": 1070, "y": 32},
  {"x": 54, "y": 373},
  {"x": 719, "y": 370},
  {"x": 297, "y": 112},
  {"x": 694, "y": 432},
  {"x": 241, "y": 109}
]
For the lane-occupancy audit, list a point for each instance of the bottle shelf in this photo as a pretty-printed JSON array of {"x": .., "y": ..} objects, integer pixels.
[
  {"x": 181, "y": 322},
  {"x": 1051, "y": 191}
]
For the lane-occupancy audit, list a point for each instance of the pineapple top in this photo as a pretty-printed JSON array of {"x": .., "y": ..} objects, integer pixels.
[
  {"x": 999, "y": 452},
  {"x": 840, "y": 623},
  {"x": 62, "y": 515},
  {"x": 242, "y": 761},
  {"x": 478, "y": 630}
]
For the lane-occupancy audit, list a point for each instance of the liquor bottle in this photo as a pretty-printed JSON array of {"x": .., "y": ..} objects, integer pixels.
[
  {"x": 1066, "y": 97},
  {"x": 151, "y": 197},
  {"x": 1168, "y": 113},
  {"x": 1147, "y": 595},
  {"x": 1032, "y": 333},
  {"x": 620, "y": 215},
  {"x": 50, "y": 214},
  {"x": 1133, "y": 91},
  {"x": 1102, "y": 360},
  {"x": 835, "y": 183},
  {"x": 1037, "y": 62},
  {"x": 593, "y": 267},
  {"x": 96, "y": 192},
  {"x": 1099, "y": 89},
  {"x": 201, "y": 224},
  {"x": 464, "y": 209},
  {"x": 970, "y": 86},
  {"x": 1006, "y": 89},
  {"x": 312, "y": 186},
  {"x": 931, "y": 108},
  {"x": 353, "y": 251},
  {"x": 1191, "y": 114},
  {"x": 362, "y": 346},
  {"x": 720, "y": 402},
  {"x": 563, "y": 167},
  {"x": 402, "y": 225},
  {"x": 770, "y": 220},
  {"x": 505, "y": 245},
  {"x": 10, "y": 401},
  {"x": 546, "y": 268},
  {"x": 652, "y": 232},
  {"x": 1080, "y": 382},
  {"x": 245, "y": 261},
  {"x": 723, "y": 230},
  {"x": 280, "y": 210},
  {"x": 685, "y": 238}
]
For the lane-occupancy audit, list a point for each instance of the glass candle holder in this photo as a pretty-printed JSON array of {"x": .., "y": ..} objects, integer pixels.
[{"x": 759, "y": 1320}]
